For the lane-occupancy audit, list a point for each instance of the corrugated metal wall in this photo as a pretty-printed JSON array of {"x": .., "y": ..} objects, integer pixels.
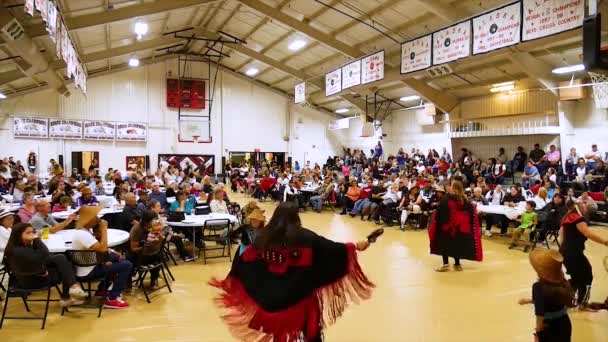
[{"x": 509, "y": 104}]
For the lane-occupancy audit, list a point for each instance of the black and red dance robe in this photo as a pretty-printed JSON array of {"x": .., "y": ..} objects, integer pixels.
[
  {"x": 287, "y": 293},
  {"x": 455, "y": 230}
]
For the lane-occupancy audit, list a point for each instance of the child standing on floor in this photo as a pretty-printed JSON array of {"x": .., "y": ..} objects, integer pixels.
[
  {"x": 528, "y": 221},
  {"x": 551, "y": 296}
]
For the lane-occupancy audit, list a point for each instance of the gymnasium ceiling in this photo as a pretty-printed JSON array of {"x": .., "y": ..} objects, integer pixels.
[{"x": 104, "y": 38}]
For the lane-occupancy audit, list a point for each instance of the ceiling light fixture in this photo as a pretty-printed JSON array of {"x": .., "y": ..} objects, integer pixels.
[
  {"x": 141, "y": 29},
  {"x": 2, "y": 96},
  {"x": 500, "y": 87},
  {"x": 342, "y": 111},
  {"x": 133, "y": 62},
  {"x": 297, "y": 45},
  {"x": 569, "y": 69},
  {"x": 409, "y": 98},
  {"x": 252, "y": 71}
]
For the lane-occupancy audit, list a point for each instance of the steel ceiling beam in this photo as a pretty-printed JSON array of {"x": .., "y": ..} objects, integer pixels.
[{"x": 79, "y": 22}]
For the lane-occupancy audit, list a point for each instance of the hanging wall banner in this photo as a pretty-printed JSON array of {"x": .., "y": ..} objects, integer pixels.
[
  {"x": 452, "y": 43},
  {"x": 548, "y": 17},
  {"x": 99, "y": 130},
  {"x": 416, "y": 54},
  {"x": 351, "y": 74},
  {"x": 58, "y": 38},
  {"x": 372, "y": 68},
  {"x": 333, "y": 82},
  {"x": 30, "y": 127},
  {"x": 43, "y": 9},
  {"x": 65, "y": 129},
  {"x": 29, "y": 7},
  {"x": 497, "y": 29},
  {"x": 300, "y": 92},
  {"x": 51, "y": 24},
  {"x": 131, "y": 131}
]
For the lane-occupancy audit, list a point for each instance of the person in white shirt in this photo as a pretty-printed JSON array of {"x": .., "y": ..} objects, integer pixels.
[
  {"x": 420, "y": 167},
  {"x": 494, "y": 197},
  {"x": 593, "y": 157},
  {"x": 6, "y": 222},
  {"x": 541, "y": 199},
  {"x": 218, "y": 205},
  {"x": 83, "y": 239}
]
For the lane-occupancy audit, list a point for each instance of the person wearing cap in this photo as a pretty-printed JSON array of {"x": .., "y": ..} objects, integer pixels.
[
  {"x": 43, "y": 218},
  {"x": 254, "y": 221},
  {"x": 91, "y": 234},
  {"x": 138, "y": 238},
  {"x": 87, "y": 198},
  {"x": 574, "y": 233},
  {"x": 551, "y": 296},
  {"x": 6, "y": 222}
]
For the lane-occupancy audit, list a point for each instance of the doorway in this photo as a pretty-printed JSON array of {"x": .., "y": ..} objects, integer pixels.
[{"x": 85, "y": 161}]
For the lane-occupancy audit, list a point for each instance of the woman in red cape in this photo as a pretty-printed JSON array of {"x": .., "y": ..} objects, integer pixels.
[
  {"x": 455, "y": 231},
  {"x": 290, "y": 283}
]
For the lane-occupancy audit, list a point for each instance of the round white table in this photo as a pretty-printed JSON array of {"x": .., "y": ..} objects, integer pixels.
[
  {"x": 197, "y": 221},
  {"x": 198, "y": 200},
  {"x": 62, "y": 215},
  {"x": 62, "y": 240},
  {"x": 510, "y": 212},
  {"x": 14, "y": 207}
]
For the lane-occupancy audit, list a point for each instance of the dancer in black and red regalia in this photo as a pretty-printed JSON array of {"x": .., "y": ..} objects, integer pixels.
[
  {"x": 455, "y": 231},
  {"x": 291, "y": 283}
]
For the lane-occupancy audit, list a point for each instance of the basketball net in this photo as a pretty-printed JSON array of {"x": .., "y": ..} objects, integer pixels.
[{"x": 600, "y": 89}]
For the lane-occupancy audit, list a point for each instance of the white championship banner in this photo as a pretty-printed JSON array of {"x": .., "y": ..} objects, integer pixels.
[
  {"x": 497, "y": 29},
  {"x": 372, "y": 68},
  {"x": 416, "y": 54},
  {"x": 300, "y": 92},
  {"x": 65, "y": 129},
  {"x": 333, "y": 82},
  {"x": 131, "y": 132},
  {"x": 452, "y": 43},
  {"x": 351, "y": 74},
  {"x": 99, "y": 130},
  {"x": 547, "y": 17},
  {"x": 30, "y": 127}
]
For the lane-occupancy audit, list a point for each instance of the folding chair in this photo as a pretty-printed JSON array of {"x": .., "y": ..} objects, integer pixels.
[
  {"x": 218, "y": 231},
  {"x": 88, "y": 259},
  {"x": 151, "y": 259},
  {"x": 2, "y": 275},
  {"x": 550, "y": 233},
  {"x": 16, "y": 291},
  {"x": 331, "y": 200}
]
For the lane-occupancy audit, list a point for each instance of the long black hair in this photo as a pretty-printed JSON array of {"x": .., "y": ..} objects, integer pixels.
[
  {"x": 457, "y": 195},
  {"x": 15, "y": 239},
  {"x": 282, "y": 230}
]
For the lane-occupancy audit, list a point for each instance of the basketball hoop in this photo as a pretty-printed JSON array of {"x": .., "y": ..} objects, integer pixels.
[
  {"x": 600, "y": 89},
  {"x": 195, "y": 139}
]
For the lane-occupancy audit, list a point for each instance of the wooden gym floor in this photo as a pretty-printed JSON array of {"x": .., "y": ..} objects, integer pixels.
[{"x": 411, "y": 302}]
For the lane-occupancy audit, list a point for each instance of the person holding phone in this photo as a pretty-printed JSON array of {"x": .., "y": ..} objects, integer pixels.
[{"x": 290, "y": 280}]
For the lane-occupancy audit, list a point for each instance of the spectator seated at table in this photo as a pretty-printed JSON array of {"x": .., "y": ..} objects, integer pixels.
[
  {"x": 34, "y": 267},
  {"x": 43, "y": 218},
  {"x": 528, "y": 221},
  {"x": 218, "y": 205},
  {"x": 28, "y": 209},
  {"x": 6, "y": 222},
  {"x": 593, "y": 157},
  {"x": 207, "y": 186},
  {"x": 253, "y": 222},
  {"x": 142, "y": 201},
  {"x": 35, "y": 186},
  {"x": 352, "y": 195},
  {"x": 177, "y": 240},
  {"x": 172, "y": 189},
  {"x": 58, "y": 193},
  {"x": 86, "y": 198},
  {"x": 131, "y": 213},
  {"x": 541, "y": 199},
  {"x": 63, "y": 205},
  {"x": 478, "y": 197},
  {"x": 99, "y": 188},
  {"x": 599, "y": 176},
  {"x": 549, "y": 218},
  {"x": 530, "y": 175},
  {"x": 322, "y": 194},
  {"x": 586, "y": 205},
  {"x": 158, "y": 196},
  {"x": 181, "y": 204},
  {"x": 149, "y": 230},
  {"x": 91, "y": 234},
  {"x": 511, "y": 200}
]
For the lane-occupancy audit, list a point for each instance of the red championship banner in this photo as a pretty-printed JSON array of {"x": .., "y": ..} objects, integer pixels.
[
  {"x": 547, "y": 17},
  {"x": 452, "y": 43},
  {"x": 497, "y": 29},
  {"x": 416, "y": 54},
  {"x": 372, "y": 68}
]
